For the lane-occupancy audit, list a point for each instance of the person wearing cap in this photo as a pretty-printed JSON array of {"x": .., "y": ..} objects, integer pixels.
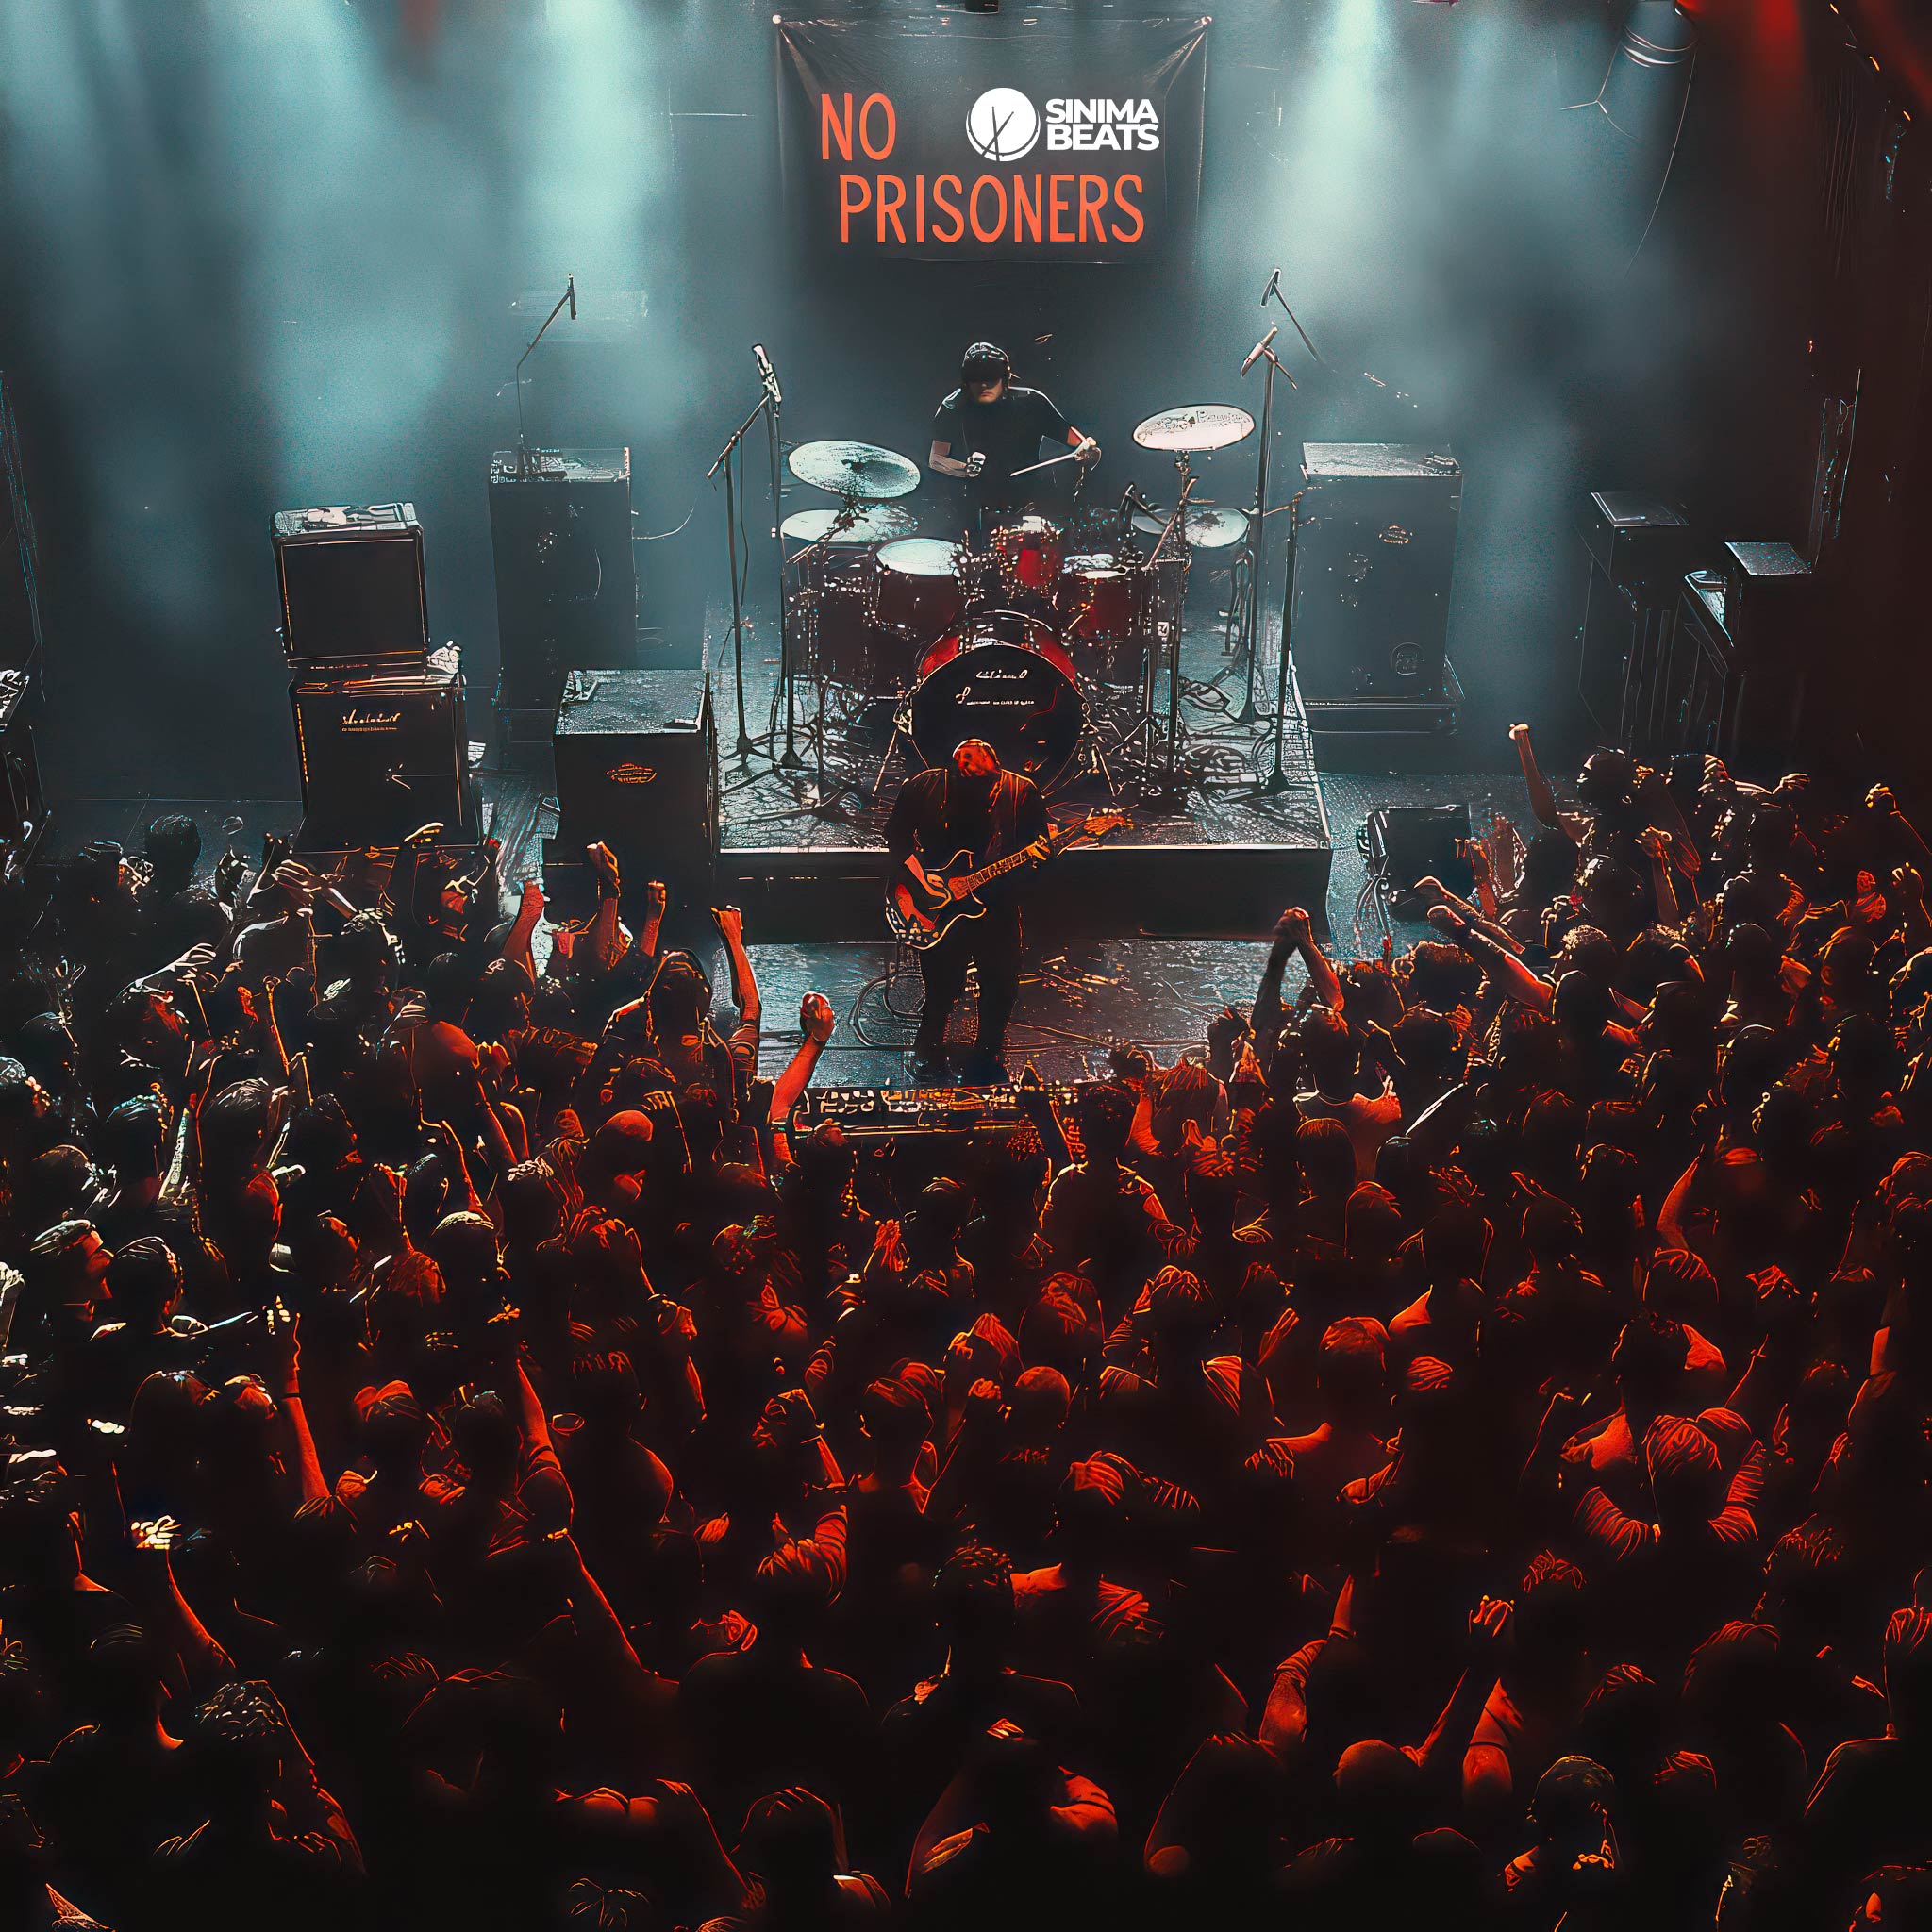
[{"x": 991, "y": 426}]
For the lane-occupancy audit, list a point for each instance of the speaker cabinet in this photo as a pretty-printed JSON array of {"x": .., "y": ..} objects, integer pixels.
[
  {"x": 1374, "y": 562},
  {"x": 353, "y": 601},
  {"x": 380, "y": 757},
  {"x": 566, "y": 582},
  {"x": 637, "y": 769}
]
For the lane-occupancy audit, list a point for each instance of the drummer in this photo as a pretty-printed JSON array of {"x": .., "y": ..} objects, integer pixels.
[{"x": 991, "y": 426}]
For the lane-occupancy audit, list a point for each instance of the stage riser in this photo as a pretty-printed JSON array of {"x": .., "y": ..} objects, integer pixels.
[{"x": 802, "y": 894}]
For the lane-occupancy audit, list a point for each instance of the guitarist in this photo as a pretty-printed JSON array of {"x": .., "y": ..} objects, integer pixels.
[{"x": 971, "y": 805}]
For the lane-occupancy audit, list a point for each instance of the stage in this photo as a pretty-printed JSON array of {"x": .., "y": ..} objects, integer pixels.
[{"x": 1218, "y": 858}]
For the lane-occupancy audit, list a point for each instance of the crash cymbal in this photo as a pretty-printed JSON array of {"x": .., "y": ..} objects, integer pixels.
[
  {"x": 855, "y": 469},
  {"x": 1199, "y": 426},
  {"x": 1207, "y": 529},
  {"x": 861, "y": 523}
]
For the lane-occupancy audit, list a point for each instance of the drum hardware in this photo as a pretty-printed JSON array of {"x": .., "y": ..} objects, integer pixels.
[
  {"x": 1143, "y": 736},
  {"x": 1028, "y": 553},
  {"x": 851, "y": 525},
  {"x": 918, "y": 587}
]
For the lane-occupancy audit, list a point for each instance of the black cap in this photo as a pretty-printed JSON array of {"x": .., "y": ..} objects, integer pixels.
[{"x": 984, "y": 362}]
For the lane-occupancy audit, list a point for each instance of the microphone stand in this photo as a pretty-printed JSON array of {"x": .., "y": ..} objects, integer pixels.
[
  {"x": 746, "y": 742},
  {"x": 1277, "y": 781},
  {"x": 570, "y": 295},
  {"x": 1258, "y": 541},
  {"x": 790, "y": 758}
]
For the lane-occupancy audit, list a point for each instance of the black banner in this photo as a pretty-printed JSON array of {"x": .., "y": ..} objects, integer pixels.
[{"x": 973, "y": 136}]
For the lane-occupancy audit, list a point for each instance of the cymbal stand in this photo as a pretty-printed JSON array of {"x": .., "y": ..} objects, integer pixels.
[
  {"x": 1257, "y": 586},
  {"x": 811, "y": 599},
  {"x": 746, "y": 742},
  {"x": 1145, "y": 730}
]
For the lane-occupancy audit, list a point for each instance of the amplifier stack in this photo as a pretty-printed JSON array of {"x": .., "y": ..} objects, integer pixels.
[{"x": 380, "y": 727}]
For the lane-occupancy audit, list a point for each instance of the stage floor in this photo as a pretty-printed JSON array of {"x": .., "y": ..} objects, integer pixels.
[
  {"x": 1220, "y": 855},
  {"x": 1078, "y": 996}
]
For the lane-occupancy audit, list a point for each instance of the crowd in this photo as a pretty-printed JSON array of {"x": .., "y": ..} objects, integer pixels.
[{"x": 1451, "y": 1452}]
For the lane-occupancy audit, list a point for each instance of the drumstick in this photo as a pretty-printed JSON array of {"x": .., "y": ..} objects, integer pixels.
[{"x": 1046, "y": 465}]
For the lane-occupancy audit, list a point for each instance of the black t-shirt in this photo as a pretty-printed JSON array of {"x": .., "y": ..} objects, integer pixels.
[
  {"x": 1007, "y": 433},
  {"x": 936, "y": 818}
]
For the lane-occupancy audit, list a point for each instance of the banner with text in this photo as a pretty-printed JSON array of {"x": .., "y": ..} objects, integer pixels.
[{"x": 972, "y": 137}]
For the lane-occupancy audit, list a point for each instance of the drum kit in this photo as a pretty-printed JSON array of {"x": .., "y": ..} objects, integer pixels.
[{"x": 1045, "y": 639}]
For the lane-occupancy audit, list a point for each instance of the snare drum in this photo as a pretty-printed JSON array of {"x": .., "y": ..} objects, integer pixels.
[
  {"x": 916, "y": 589},
  {"x": 1028, "y": 551}
]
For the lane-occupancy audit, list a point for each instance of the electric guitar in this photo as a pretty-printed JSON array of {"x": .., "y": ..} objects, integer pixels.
[{"x": 920, "y": 919}]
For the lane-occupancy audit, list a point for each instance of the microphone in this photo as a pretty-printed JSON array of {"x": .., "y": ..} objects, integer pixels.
[
  {"x": 766, "y": 373},
  {"x": 1261, "y": 348},
  {"x": 1273, "y": 287},
  {"x": 570, "y": 289}
]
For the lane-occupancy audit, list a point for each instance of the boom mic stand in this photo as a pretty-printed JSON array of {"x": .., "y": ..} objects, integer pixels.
[
  {"x": 724, "y": 460},
  {"x": 1258, "y": 522},
  {"x": 570, "y": 295},
  {"x": 1277, "y": 781},
  {"x": 775, "y": 398}
]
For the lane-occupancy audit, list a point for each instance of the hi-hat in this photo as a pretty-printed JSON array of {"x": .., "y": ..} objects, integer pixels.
[
  {"x": 1206, "y": 529},
  {"x": 1200, "y": 426},
  {"x": 857, "y": 523},
  {"x": 855, "y": 469}
]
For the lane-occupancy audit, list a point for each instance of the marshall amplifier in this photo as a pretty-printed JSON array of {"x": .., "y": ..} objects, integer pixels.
[
  {"x": 566, "y": 581},
  {"x": 636, "y": 770},
  {"x": 1374, "y": 562},
  {"x": 381, "y": 756},
  {"x": 353, "y": 602}
]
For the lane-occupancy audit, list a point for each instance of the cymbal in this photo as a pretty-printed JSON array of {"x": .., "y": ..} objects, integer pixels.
[
  {"x": 862, "y": 522},
  {"x": 1206, "y": 529},
  {"x": 1199, "y": 426},
  {"x": 855, "y": 469}
]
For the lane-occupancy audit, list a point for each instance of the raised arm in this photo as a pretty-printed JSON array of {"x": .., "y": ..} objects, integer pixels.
[
  {"x": 604, "y": 940},
  {"x": 1509, "y": 974},
  {"x": 816, "y": 1021},
  {"x": 1299, "y": 929},
  {"x": 516, "y": 944},
  {"x": 1542, "y": 801},
  {"x": 745, "y": 986}
]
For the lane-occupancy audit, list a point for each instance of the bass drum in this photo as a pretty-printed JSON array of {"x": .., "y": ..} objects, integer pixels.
[{"x": 1003, "y": 678}]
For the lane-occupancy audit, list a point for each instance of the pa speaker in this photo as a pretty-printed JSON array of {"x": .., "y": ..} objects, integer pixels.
[
  {"x": 566, "y": 583},
  {"x": 1375, "y": 561}
]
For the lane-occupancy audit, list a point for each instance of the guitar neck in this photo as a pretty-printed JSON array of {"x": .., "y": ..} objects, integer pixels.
[{"x": 1057, "y": 842}]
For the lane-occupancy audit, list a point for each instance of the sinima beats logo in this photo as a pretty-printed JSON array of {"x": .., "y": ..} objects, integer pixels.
[{"x": 1004, "y": 125}]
